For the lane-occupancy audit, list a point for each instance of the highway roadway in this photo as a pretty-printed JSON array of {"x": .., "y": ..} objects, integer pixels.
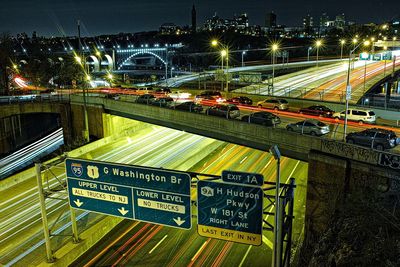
[
  {"x": 143, "y": 244},
  {"x": 21, "y": 236},
  {"x": 326, "y": 83}
]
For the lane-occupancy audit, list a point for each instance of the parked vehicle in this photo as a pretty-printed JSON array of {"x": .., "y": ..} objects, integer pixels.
[
  {"x": 113, "y": 96},
  {"x": 263, "y": 118},
  {"x": 317, "y": 110},
  {"x": 210, "y": 100},
  {"x": 162, "y": 101},
  {"x": 162, "y": 90},
  {"x": 377, "y": 138},
  {"x": 209, "y": 96},
  {"x": 209, "y": 93},
  {"x": 276, "y": 104},
  {"x": 242, "y": 100},
  {"x": 228, "y": 111},
  {"x": 309, "y": 126},
  {"x": 145, "y": 99},
  {"x": 187, "y": 106},
  {"x": 359, "y": 115}
]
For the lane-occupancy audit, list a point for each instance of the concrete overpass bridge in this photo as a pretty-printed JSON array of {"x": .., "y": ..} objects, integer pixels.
[{"x": 335, "y": 168}]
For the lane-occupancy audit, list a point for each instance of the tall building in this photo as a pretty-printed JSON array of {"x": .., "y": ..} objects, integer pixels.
[
  {"x": 270, "y": 20},
  {"x": 308, "y": 23},
  {"x": 194, "y": 20},
  {"x": 323, "y": 21},
  {"x": 340, "y": 21},
  {"x": 242, "y": 22}
]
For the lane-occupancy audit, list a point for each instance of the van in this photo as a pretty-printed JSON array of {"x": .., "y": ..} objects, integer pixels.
[{"x": 360, "y": 115}]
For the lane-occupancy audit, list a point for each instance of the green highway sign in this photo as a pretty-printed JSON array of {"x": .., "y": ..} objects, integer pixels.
[
  {"x": 132, "y": 192},
  {"x": 230, "y": 211}
]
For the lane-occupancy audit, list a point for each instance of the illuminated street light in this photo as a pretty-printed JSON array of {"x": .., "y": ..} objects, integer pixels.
[
  {"x": 78, "y": 59},
  {"x": 110, "y": 76},
  {"x": 342, "y": 42},
  {"x": 318, "y": 43},
  {"x": 385, "y": 55},
  {"x": 243, "y": 53},
  {"x": 308, "y": 53},
  {"x": 214, "y": 42},
  {"x": 348, "y": 87},
  {"x": 274, "y": 48}
]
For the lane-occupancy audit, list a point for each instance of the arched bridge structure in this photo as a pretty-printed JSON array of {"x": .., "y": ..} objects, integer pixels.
[{"x": 123, "y": 56}]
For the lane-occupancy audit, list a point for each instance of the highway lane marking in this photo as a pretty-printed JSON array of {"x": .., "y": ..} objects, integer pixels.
[
  {"x": 266, "y": 165},
  {"x": 158, "y": 244},
  {"x": 264, "y": 238},
  {"x": 245, "y": 256},
  {"x": 199, "y": 251}
]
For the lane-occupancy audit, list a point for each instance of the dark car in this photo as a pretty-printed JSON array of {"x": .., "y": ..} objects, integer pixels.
[
  {"x": 113, "y": 96},
  {"x": 145, "y": 99},
  {"x": 229, "y": 111},
  {"x": 263, "y": 118},
  {"x": 162, "y": 101},
  {"x": 309, "y": 126},
  {"x": 243, "y": 100},
  {"x": 208, "y": 95},
  {"x": 188, "y": 106},
  {"x": 379, "y": 139},
  {"x": 163, "y": 90},
  {"x": 317, "y": 110}
]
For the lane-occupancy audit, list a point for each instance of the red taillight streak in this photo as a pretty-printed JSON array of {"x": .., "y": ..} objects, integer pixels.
[{"x": 141, "y": 242}]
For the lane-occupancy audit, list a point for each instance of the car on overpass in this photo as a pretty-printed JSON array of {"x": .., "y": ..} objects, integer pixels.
[
  {"x": 263, "y": 118},
  {"x": 377, "y": 138},
  {"x": 145, "y": 99},
  {"x": 309, "y": 126},
  {"x": 317, "y": 110},
  {"x": 242, "y": 100},
  {"x": 162, "y": 101},
  {"x": 228, "y": 111},
  {"x": 190, "y": 106},
  {"x": 360, "y": 115},
  {"x": 276, "y": 104}
]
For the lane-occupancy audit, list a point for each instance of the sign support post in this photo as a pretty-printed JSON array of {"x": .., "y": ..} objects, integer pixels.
[
  {"x": 277, "y": 231},
  {"x": 49, "y": 252}
]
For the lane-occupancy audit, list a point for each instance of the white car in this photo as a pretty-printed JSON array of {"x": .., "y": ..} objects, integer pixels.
[{"x": 359, "y": 115}]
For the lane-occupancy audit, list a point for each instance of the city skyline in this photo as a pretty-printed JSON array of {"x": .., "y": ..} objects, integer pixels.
[{"x": 56, "y": 18}]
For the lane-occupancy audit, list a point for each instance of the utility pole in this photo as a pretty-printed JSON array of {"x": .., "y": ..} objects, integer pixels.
[{"x": 85, "y": 113}]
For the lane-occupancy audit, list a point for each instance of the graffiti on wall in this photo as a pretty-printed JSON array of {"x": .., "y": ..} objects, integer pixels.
[{"x": 349, "y": 151}]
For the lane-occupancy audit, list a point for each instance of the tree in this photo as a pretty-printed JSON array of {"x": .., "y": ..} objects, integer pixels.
[{"x": 5, "y": 62}]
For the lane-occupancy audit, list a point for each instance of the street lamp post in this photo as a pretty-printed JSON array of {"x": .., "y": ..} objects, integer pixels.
[
  {"x": 243, "y": 53},
  {"x": 308, "y": 53},
  {"x": 223, "y": 54},
  {"x": 385, "y": 55},
  {"x": 348, "y": 88},
  {"x": 276, "y": 254},
  {"x": 365, "y": 55},
  {"x": 355, "y": 40},
  {"x": 274, "y": 49},
  {"x": 172, "y": 68},
  {"x": 318, "y": 44},
  {"x": 342, "y": 42}
]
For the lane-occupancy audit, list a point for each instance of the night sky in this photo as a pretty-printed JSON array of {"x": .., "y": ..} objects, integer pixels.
[{"x": 55, "y": 17}]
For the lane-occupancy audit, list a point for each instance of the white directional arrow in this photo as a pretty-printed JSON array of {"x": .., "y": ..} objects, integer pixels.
[
  {"x": 179, "y": 221},
  {"x": 123, "y": 211},
  {"x": 78, "y": 203}
]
